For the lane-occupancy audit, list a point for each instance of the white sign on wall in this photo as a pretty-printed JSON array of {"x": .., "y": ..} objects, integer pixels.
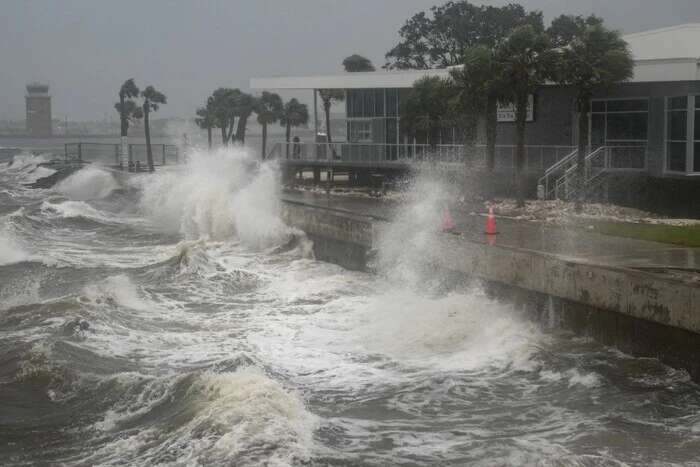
[{"x": 506, "y": 112}]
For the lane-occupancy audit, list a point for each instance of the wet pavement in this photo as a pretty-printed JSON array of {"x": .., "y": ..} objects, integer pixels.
[{"x": 573, "y": 244}]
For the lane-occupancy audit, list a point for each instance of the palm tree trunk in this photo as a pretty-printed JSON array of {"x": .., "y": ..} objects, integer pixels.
[
  {"x": 147, "y": 130},
  {"x": 209, "y": 137},
  {"x": 240, "y": 129},
  {"x": 583, "y": 110},
  {"x": 327, "y": 112},
  {"x": 434, "y": 137},
  {"x": 470, "y": 130},
  {"x": 329, "y": 141},
  {"x": 288, "y": 134},
  {"x": 264, "y": 140},
  {"x": 491, "y": 129},
  {"x": 520, "y": 118},
  {"x": 229, "y": 135},
  {"x": 124, "y": 141}
]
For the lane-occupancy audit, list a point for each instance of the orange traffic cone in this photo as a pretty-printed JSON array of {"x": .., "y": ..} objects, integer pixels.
[
  {"x": 448, "y": 224},
  {"x": 491, "y": 223}
]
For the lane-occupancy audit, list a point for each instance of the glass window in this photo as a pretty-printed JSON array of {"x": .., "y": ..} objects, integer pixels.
[
  {"x": 678, "y": 103},
  {"x": 367, "y": 103},
  {"x": 677, "y": 133},
  {"x": 676, "y": 153},
  {"x": 697, "y": 122},
  {"x": 391, "y": 131},
  {"x": 354, "y": 104},
  {"x": 696, "y": 157},
  {"x": 628, "y": 105},
  {"x": 598, "y": 130},
  {"x": 379, "y": 102},
  {"x": 627, "y": 126},
  {"x": 348, "y": 110},
  {"x": 360, "y": 131},
  {"x": 598, "y": 106},
  {"x": 677, "y": 125},
  {"x": 392, "y": 102}
]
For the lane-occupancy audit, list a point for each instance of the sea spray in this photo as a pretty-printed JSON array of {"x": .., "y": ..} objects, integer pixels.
[
  {"x": 406, "y": 247},
  {"x": 217, "y": 195},
  {"x": 25, "y": 167},
  {"x": 11, "y": 251}
]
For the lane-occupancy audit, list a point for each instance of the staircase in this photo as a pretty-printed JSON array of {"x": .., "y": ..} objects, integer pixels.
[{"x": 560, "y": 181}]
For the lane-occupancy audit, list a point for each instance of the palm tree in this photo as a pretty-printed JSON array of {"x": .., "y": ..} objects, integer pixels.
[
  {"x": 427, "y": 106},
  {"x": 294, "y": 114},
  {"x": 244, "y": 106},
  {"x": 592, "y": 58},
  {"x": 355, "y": 63},
  {"x": 528, "y": 60},
  {"x": 328, "y": 96},
  {"x": 223, "y": 106},
  {"x": 269, "y": 109},
  {"x": 128, "y": 111},
  {"x": 206, "y": 119},
  {"x": 471, "y": 82},
  {"x": 151, "y": 100}
]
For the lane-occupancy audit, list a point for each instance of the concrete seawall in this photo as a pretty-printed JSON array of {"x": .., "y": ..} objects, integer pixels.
[{"x": 640, "y": 312}]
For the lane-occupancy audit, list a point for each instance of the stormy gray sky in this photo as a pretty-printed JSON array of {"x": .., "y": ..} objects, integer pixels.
[{"x": 86, "y": 48}]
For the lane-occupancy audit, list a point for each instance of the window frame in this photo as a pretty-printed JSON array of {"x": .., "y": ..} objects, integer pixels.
[
  {"x": 689, "y": 135},
  {"x": 606, "y": 112},
  {"x": 369, "y": 133}
]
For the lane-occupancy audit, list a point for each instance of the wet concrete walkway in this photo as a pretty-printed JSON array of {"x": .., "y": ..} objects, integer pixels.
[{"x": 573, "y": 244}]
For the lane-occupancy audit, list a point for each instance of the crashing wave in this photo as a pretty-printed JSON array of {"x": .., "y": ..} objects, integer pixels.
[
  {"x": 219, "y": 195},
  {"x": 88, "y": 183},
  {"x": 242, "y": 417}
]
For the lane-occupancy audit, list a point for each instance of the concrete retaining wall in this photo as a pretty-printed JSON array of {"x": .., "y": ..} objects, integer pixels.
[{"x": 643, "y": 313}]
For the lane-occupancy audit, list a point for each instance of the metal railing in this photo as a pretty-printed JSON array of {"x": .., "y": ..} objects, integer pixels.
[
  {"x": 110, "y": 154},
  {"x": 602, "y": 161},
  {"x": 537, "y": 158}
]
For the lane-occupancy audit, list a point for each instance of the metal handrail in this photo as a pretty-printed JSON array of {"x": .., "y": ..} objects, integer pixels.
[
  {"x": 572, "y": 173},
  {"x": 104, "y": 152},
  {"x": 536, "y": 156},
  {"x": 556, "y": 167}
]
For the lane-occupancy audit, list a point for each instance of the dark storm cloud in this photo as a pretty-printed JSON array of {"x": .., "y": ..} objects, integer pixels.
[{"x": 85, "y": 48}]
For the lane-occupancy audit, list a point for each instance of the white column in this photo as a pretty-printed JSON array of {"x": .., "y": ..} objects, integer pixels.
[{"x": 124, "y": 152}]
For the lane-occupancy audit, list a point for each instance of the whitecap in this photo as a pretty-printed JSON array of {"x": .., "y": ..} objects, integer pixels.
[{"x": 88, "y": 183}]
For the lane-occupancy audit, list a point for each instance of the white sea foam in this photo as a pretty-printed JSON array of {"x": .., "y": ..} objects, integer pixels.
[
  {"x": 218, "y": 195},
  {"x": 25, "y": 167},
  {"x": 457, "y": 331},
  {"x": 73, "y": 209},
  {"x": 116, "y": 290},
  {"x": 25, "y": 161},
  {"x": 19, "y": 291},
  {"x": 88, "y": 183}
]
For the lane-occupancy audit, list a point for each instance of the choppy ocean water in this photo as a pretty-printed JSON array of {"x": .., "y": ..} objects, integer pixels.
[{"x": 173, "y": 319}]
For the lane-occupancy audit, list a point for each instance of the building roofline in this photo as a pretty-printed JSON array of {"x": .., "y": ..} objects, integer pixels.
[{"x": 661, "y": 30}]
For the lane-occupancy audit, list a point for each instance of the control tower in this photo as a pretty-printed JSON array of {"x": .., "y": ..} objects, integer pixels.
[{"x": 38, "y": 110}]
